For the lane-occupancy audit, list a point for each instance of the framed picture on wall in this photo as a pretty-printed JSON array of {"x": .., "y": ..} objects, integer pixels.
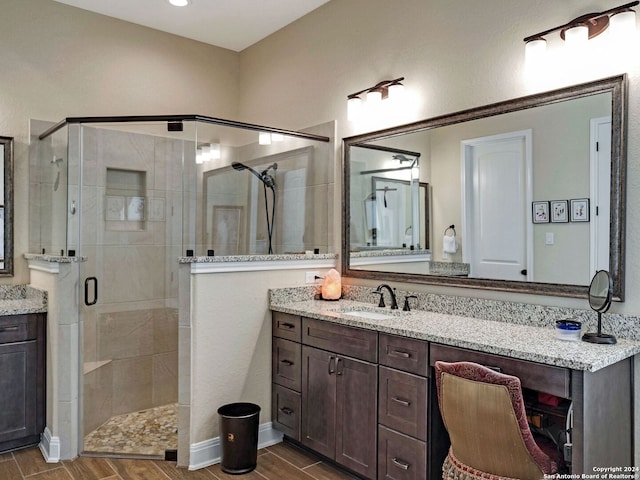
[
  {"x": 580, "y": 210},
  {"x": 540, "y": 212},
  {"x": 559, "y": 211}
]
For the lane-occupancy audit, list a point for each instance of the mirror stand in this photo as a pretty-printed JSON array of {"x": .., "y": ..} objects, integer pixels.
[{"x": 599, "y": 337}]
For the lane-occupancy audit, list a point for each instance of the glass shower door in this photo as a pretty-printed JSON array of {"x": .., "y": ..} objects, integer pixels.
[{"x": 128, "y": 225}]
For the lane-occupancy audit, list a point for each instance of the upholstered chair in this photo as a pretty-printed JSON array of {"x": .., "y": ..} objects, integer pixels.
[{"x": 483, "y": 412}]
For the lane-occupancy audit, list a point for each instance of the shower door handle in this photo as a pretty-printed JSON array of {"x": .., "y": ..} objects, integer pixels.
[{"x": 86, "y": 291}]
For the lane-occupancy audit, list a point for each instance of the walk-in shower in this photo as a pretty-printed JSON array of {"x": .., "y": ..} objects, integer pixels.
[{"x": 128, "y": 196}]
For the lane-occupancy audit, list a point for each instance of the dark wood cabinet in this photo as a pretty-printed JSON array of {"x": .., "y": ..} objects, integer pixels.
[
  {"x": 368, "y": 399},
  {"x": 286, "y": 374},
  {"x": 22, "y": 380},
  {"x": 339, "y": 409}
]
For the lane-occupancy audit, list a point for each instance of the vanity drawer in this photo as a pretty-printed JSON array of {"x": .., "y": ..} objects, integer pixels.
[
  {"x": 402, "y": 402},
  {"x": 18, "y": 328},
  {"x": 285, "y": 414},
  {"x": 536, "y": 376},
  {"x": 400, "y": 457},
  {"x": 286, "y": 360},
  {"x": 403, "y": 353},
  {"x": 286, "y": 326},
  {"x": 355, "y": 342}
]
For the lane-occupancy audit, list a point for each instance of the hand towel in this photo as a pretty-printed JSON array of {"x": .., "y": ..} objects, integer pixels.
[{"x": 449, "y": 244}]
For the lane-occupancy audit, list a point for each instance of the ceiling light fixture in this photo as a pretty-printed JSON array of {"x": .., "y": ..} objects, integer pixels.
[
  {"x": 391, "y": 89},
  {"x": 179, "y": 3},
  {"x": 579, "y": 30}
]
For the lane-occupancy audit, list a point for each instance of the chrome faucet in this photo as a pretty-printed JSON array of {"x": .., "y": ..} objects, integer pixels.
[{"x": 394, "y": 302}]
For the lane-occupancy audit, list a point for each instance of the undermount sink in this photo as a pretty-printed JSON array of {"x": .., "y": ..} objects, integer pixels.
[{"x": 369, "y": 315}]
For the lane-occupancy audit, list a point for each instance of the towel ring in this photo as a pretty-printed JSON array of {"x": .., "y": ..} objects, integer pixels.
[{"x": 450, "y": 227}]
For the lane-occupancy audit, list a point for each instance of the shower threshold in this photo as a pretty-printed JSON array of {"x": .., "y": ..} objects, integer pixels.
[{"x": 144, "y": 434}]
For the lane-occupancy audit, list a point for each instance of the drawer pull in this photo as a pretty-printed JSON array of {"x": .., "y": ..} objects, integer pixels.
[
  {"x": 288, "y": 326},
  {"x": 287, "y": 362},
  {"x": 400, "y": 353},
  {"x": 399, "y": 400},
  {"x": 286, "y": 410},
  {"x": 12, "y": 328},
  {"x": 400, "y": 463}
]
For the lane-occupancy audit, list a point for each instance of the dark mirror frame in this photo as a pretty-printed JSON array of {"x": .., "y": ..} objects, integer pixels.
[
  {"x": 617, "y": 87},
  {"x": 7, "y": 142}
]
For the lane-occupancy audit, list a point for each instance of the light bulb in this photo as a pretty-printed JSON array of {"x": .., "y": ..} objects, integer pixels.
[
  {"x": 576, "y": 37},
  {"x": 374, "y": 97},
  {"x": 623, "y": 24},
  {"x": 396, "y": 91},
  {"x": 199, "y": 157},
  {"x": 277, "y": 137},
  {"x": 535, "y": 49},
  {"x": 354, "y": 108},
  {"x": 179, "y": 3},
  {"x": 216, "y": 154}
]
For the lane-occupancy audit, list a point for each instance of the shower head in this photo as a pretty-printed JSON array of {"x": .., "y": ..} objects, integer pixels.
[
  {"x": 239, "y": 166},
  {"x": 264, "y": 177}
]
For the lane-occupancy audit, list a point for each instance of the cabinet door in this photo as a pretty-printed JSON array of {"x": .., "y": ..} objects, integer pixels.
[
  {"x": 357, "y": 384},
  {"x": 18, "y": 383},
  {"x": 318, "y": 400}
]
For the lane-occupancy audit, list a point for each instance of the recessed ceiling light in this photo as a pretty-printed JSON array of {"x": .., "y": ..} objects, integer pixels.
[{"x": 179, "y": 3}]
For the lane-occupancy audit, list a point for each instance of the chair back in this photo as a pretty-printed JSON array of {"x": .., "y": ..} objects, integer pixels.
[{"x": 483, "y": 412}]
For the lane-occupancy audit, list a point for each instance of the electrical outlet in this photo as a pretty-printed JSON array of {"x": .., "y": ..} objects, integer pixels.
[{"x": 310, "y": 277}]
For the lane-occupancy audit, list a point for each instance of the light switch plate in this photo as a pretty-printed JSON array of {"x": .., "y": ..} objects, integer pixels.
[{"x": 549, "y": 238}]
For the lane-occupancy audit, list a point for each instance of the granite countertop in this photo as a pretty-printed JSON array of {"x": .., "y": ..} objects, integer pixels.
[
  {"x": 537, "y": 344},
  {"x": 259, "y": 258},
  {"x": 22, "y": 299}
]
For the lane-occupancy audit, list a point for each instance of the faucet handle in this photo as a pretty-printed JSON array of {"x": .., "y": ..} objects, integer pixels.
[
  {"x": 406, "y": 306},
  {"x": 381, "y": 302}
]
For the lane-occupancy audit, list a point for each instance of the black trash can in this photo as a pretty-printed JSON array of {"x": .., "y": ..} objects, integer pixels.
[{"x": 239, "y": 437}]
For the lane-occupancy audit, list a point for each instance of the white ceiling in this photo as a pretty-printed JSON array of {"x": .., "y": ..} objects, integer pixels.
[{"x": 232, "y": 24}]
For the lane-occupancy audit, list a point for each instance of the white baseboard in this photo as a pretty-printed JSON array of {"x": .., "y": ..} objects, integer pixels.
[
  {"x": 50, "y": 446},
  {"x": 208, "y": 452}
]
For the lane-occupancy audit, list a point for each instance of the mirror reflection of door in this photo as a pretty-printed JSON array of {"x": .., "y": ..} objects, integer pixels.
[
  {"x": 600, "y": 146},
  {"x": 497, "y": 191}
]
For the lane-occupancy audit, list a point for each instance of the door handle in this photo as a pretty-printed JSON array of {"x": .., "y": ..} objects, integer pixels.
[
  {"x": 338, "y": 369},
  {"x": 331, "y": 359},
  {"x": 523, "y": 271},
  {"x": 95, "y": 291}
]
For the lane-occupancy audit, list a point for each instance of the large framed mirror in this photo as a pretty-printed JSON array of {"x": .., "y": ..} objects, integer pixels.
[
  {"x": 6, "y": 208},
  {"x": 525, "y": 195}
]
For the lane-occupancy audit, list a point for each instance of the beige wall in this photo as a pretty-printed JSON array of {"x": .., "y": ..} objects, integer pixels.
[
  {"x": 454, "y": 55},
  {"x": 58, "y": 61}
]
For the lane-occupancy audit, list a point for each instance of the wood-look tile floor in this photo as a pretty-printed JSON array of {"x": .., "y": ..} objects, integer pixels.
[{"x": 278, "y": 462}]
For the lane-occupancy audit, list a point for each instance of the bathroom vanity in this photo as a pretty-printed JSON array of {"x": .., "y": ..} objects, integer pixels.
[
  {"x": 358, "y": 387},
  {"x": 22, "y": 384}
]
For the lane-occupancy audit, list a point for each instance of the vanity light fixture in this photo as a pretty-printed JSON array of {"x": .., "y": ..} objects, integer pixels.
[
  {"x": 386, "y": 89},
  {"x": 579, "y": 30}
]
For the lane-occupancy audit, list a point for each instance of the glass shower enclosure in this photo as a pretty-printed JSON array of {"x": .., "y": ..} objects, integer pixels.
[{"x": 128, "y": 196}]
